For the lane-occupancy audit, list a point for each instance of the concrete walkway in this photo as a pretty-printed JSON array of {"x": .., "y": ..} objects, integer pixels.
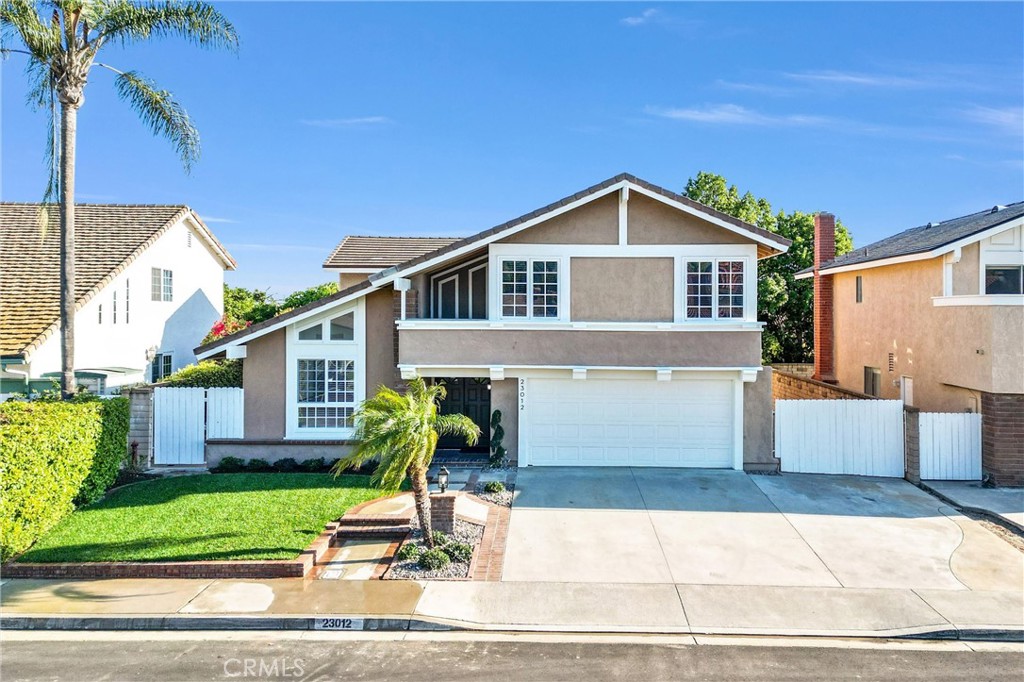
[
  {"x": 1006, "y": 503},
  {"x": 506, "y": 606}
]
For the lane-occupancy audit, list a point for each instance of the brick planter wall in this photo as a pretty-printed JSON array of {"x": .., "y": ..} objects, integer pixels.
[
  {"x": 792, "y": 387},
  {"x": 1002, "y": 437},
  {"x": 442, "y": 511}
]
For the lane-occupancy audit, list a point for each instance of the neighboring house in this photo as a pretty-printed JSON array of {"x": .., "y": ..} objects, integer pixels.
[
  {"x": 933, "y": 316},
  {"x": 149, "y": 285},
  {"x": 617, "y": 326}
]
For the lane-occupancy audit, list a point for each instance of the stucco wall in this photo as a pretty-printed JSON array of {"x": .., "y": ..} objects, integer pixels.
[
  {"x": 263, "y": 378},
  {"x": 504, "y": 397},
  {"x": 579, "y": 348},
  {"x": 758, "y": 423},
  {"x": 380, "y": 340},
  {"x": 622, "y": 289},
  {"x": 596, "y": 222},
  {"x": 652, "y": 222},
  {"x": 273, "y": 450},
  {"x": 937, "y": 346},
  {"x": 348, "y": 279},
  {"x": 965, "y": 273}
]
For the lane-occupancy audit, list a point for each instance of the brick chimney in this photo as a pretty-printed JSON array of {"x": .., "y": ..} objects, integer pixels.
[{"x": 824, "y": 251}]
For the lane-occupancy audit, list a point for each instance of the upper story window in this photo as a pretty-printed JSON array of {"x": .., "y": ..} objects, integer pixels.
[
  {"x": 162, "y": 285},
  {"x": 529, "y": 288},
  {"x": 1004, "y": 279},
  {"x": 341, "y": 328},
  {"x": 715, "y": 289}
]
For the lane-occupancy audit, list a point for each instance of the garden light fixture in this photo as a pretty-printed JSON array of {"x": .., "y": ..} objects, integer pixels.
[{"x": 442, "y": 479}]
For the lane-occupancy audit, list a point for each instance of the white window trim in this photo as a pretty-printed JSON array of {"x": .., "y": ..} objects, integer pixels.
[
  {"x": 984, "y": 269},
  {"x": 469, "y": 275},
  {"x": 296, "y": 350},
  {"x": 496, "y": 287},
  {"x": 438, "y": 298},
  {"x": 325, "y": 330},
  {"x": 749, "y": 302},
  {"x": 994, "y": 255}
]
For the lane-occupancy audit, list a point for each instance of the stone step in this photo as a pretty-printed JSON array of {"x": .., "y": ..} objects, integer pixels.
[
  {"x": 375, "y": 520},
  {"x": 347, "y": 532}
]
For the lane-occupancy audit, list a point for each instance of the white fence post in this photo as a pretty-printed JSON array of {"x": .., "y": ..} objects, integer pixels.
[{"x": 950, "y": 446}]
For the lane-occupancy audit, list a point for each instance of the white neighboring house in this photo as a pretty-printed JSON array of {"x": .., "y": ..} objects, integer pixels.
[{"x": 149, "y": 285}]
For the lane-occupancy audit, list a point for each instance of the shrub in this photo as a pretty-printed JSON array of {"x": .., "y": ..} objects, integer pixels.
[
  {"x": 494, "y": 487},
  {"x": 111, "y": 450},
  {"x": 208, "y": 374},
  {"x": 433, "y": 559},
  {"x": 230, "y": 465},
  {"x": 286, "y": 464},
  {"x": 46, "y": 452},
  {"x": 458, "y": 551},
  {"x": 440, "y": 538},
  {"x": 407, "y": 552},
  {"x": 313, "y": 465},
  {"x": 257, "y": 465}
]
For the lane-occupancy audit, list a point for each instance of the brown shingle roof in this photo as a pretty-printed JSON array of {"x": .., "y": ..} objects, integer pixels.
[
  {"x": 382, "y": 252},
  {"x": 107, "y": 239}
]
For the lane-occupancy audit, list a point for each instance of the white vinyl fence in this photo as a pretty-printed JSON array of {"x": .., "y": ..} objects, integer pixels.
[
  {"x": 183, "y": 418},
  {"x": 863, "y": 437},
  {"x": 950, "y": 446}
]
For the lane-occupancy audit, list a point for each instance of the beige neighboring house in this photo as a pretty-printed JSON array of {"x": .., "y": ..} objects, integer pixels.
[
  {"x": 149, "y": 284},
  {"x": 934, "y": 316},
  {"x": 616, "y": 327}
]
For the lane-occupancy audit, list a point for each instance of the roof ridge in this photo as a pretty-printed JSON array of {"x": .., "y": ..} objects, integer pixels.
[
  {"x": 93, "y": 205},
  {"x": 393, "y": 236}
]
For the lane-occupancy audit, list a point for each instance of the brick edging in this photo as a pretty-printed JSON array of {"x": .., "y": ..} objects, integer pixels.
[{"x": 298, "y": 567}]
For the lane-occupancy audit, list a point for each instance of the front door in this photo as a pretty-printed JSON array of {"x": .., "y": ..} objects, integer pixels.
[{"x": 471, "y": 397}]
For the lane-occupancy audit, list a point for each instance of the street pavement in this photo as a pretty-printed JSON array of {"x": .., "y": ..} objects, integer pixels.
[{"x": 146, "y": 658}]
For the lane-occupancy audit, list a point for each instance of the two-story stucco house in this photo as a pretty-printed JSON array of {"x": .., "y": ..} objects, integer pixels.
[
  {"x": 934, "y": 316},
  {"x": 616, "y": 326},
  {"x": 149, "y": 285}
]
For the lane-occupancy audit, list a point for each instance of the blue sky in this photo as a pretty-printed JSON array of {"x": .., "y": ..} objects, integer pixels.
[{"x": 446, "y": 119}]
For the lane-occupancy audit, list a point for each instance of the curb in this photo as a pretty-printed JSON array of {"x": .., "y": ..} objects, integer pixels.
[
  {"x": 405, "y": 624},
  {"x": 987, "y": 513}
]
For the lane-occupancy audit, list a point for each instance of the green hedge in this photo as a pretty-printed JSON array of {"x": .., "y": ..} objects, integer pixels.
[
  {"x": 53, "y": 454},
  {"x": 111, "y": 450},
  {"x": 208, "y": 374}
]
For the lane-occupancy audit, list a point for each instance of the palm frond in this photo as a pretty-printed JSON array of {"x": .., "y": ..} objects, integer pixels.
[
  {"x": 457, "y": 425},
  {"x": 162, "y": 114},
  {"x": 20, "y": 18},
  {"x": 197, "y": 22}
]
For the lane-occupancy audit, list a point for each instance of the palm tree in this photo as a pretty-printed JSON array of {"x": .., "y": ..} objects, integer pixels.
[
  {"x": 401, "y": 432},
  {"x": 61, "y": 54}
]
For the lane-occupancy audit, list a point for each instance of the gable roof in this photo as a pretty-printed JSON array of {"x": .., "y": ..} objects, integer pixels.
[
  {"x": 768, "y": 242},
  {"x": 377, "y": 253},
  {"x": 925, "y": 239},
  {"x": 107, "y": 239}
]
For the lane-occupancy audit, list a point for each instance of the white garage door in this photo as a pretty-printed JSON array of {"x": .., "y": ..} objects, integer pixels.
[{"x": 629, "y": 423}]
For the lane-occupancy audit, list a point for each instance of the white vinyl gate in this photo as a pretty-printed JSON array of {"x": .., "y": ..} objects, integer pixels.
[
  {"x": 863, "y": 437},
  {"x": 183, "y": 418},
  {"x": 950, "y": 446}
]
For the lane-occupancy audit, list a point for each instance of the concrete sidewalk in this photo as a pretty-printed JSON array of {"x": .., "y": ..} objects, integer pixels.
[
  {"x": 511, "y": 606},
  {"x": 1006, "y": 503}
]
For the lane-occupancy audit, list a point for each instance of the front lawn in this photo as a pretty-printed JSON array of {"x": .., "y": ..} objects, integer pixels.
[{"x": 204, "y": 518}]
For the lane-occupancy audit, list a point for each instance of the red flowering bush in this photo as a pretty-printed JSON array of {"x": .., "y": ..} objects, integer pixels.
[{"x": 225, "y": 326}]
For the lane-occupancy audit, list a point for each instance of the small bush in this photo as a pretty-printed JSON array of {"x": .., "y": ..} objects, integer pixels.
[
  {"x": 458, "y": 551},
  {"x": 440, "y": 538},
  {"x": 494, "y": 487},
  {"x": 257, "y": 465},
  {"x": 433, "y": 559},
  {"x": 286, "y": 464},
  {"x": 313, "y": 465},
  {"x": 230, "y": 465},
  {"x": 208, "y": 374},
  {"x": 407, "y": 552}
]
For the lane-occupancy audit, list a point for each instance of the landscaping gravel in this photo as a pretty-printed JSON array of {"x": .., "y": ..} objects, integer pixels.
[
  {"x": 504, "y": 498},
  {"x": 469, "y": 533}
]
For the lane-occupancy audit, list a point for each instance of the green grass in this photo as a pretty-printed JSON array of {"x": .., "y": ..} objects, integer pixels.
[{"x": 204, "y": 518}]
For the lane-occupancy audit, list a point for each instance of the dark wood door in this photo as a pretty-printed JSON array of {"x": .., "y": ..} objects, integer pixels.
[{"x": 471, "y": 397}]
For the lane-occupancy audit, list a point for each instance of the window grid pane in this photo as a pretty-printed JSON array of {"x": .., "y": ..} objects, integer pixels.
[
  {"x": 545, "y": 288},
  {"x": 513, "y": 288},
  {"x": 730, "y": 288},
  {"x": 157, "y": 286},
  {"x": 699, "y": 289},
  {"x": 328, "y": 385},
  {"x": 168, "y": 285}
]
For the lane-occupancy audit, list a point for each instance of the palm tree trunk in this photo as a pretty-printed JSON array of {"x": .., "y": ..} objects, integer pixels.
[
  {"x": 421, "y": 493},
  {"x": 68, "y": 130}
]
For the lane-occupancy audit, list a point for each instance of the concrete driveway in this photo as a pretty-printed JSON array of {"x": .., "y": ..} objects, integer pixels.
[{"x": 710, "y": 527}]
